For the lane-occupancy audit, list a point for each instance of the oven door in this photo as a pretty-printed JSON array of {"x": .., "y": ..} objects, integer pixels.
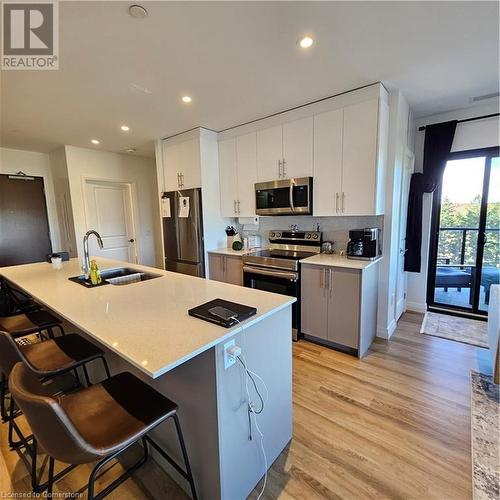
[
  {"x": 276, "y": 281},
  {"x": 284, "y": 197}
]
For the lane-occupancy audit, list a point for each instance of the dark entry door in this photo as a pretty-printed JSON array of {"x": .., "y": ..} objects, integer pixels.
[{"x": 24, "y": 225}]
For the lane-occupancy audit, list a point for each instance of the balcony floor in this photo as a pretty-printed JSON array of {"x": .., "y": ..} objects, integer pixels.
[{"x": 453, "y": 297}]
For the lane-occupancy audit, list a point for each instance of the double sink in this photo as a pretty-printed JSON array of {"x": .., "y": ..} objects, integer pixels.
[{"x": 117, "y": 276}]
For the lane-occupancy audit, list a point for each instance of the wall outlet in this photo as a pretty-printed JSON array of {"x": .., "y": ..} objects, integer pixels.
[{"x": 228, "y": 360}]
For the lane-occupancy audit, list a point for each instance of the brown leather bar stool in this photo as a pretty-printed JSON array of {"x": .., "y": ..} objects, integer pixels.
[
  {"x": 96, "y": 423},
  {"x": 47, "y": 360},
  {"x": 22, "y": 324}
]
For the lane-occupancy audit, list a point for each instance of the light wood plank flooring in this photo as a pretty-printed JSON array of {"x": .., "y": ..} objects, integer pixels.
[{"x": 393, "y": 425}]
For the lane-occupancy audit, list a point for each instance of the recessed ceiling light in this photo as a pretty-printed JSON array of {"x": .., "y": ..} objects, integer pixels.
[
  {"x": 305, "y": 42},
  {"x": 186, "y": 99},
  {"x": 125, "y": 128},
  {"x": 138, "y": 11},
  {"x": 94, "y": 141}
]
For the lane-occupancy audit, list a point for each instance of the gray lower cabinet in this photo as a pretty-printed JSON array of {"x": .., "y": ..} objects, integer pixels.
[
  {"x": 339, "y": 306},
  {"x": 226, "y": 268}
]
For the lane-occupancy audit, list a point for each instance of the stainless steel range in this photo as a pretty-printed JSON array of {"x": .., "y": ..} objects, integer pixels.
[{"x": 277, "y": 269}]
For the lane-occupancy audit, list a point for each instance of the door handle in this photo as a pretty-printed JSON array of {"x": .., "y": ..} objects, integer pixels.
[
  {"x": 131, "y": 240},
  {"x": 337, "y": 202}
]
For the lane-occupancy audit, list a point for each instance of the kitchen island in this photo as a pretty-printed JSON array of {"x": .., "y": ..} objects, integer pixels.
[{"x": 145, "y": 328}]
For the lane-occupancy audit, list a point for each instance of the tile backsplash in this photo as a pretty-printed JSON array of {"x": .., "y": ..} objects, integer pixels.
[{"x": 334, "y": 229}]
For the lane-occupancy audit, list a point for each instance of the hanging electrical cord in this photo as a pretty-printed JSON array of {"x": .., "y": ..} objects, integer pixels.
[{"x": 249, "y": 374}]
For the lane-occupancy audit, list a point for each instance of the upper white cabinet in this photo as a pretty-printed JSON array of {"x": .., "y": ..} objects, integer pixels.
[
  {"x": 360, "y": 187},
  {"x": 327, "y": 182},
  {"x": 269, "y": 153},
  {"x": 285, "y": 151},
  {"x": 341, "y": 142},
  {"x": 181, "y": 164},
  {"x": 298, "y": 148},
  {"x": 246, "y": 162},
  {"x": 228, "y": 178},
  {"x": 238, "y": 174},
  {"x": 349, "y": 159}
]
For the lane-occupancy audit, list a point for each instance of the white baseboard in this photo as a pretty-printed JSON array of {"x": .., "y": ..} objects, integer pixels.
[
  {"x": 386, "y": 332},
  {"x": 416, "y": 307}
]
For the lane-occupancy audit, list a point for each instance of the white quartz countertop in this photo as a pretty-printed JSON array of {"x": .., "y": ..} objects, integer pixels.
[
  {"x": 230, "y": 251},
  {"x": 335, "y": 260},
  {"x": 146, "y": 323}
]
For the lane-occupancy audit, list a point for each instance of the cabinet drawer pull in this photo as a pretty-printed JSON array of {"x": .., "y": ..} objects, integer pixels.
[
  {"x": 239, "y": 211},
  {"x": 279, "y": 169},
  {"x": 343, "y": 202},
  {"x": 330, "y": 280},
  {"x": 284, "y": 168},
  {"x": 337, "y": 202}
]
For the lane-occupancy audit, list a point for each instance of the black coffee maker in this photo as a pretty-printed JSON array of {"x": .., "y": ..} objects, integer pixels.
[{"x": 364, "y": 244}]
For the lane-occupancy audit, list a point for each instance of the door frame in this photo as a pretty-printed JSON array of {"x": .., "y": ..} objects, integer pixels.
[
  {"x": 132, "y": 192},
  {"x": 434, "y": 237},
  {"x": 408, "y": 156}
]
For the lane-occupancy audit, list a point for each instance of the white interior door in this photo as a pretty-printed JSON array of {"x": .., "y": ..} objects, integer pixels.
[
  {"x": 403, "y": 207},
  {"x": 109, "y": 212}
]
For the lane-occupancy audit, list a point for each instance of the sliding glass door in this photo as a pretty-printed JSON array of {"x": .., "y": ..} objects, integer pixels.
[{"x": 464, "y": 250}]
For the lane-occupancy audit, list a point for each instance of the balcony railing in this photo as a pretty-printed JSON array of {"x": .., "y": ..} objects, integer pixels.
[{"x": 463, "y": 232}]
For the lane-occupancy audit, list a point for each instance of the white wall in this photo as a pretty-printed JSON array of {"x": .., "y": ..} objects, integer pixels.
[
  {"x": 37, "y": 165},
  {"x": 140, "y": 172},
  {"x": 469, "y": 135},
  {"x": 388, "y": 275}
]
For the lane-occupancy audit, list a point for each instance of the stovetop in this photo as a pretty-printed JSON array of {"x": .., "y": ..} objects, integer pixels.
[{"x": 287, "y": 249}]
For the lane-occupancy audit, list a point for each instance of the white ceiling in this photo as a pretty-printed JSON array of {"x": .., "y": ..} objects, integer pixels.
[{"x": 239, "y": 61}]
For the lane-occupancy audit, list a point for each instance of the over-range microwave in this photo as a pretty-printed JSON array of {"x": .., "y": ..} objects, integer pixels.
[{"x": 284, "y": 197}]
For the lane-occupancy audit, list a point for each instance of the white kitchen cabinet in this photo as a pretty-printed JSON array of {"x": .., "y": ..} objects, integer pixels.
[
  {"x": 246, "y": 162},
  {"x": 228, "y": 178},
  {"x": 269, "y": 153},
  {"x": 364, "y": 133},
  {"x": 298, "y": 148},
  {"x": 238, "y": 174},
  {"x": 350, "y": 145},
  {"x": 327, "y": 182},
  {"x": 181, "y": 164},
  {"x": 285, "y": 151}
]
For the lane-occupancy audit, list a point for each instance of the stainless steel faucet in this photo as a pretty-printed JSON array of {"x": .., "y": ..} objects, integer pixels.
[{"x": 86, "y": 258}]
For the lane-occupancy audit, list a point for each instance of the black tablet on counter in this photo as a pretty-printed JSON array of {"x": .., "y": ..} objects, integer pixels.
[{"x": 223, "y": 312}]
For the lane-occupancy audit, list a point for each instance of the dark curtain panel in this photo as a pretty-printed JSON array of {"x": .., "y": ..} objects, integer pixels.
[{"x": 437, "y": 147}]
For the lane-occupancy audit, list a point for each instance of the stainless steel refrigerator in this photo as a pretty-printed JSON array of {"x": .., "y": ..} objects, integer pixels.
[{"x": 183, "y": 232}]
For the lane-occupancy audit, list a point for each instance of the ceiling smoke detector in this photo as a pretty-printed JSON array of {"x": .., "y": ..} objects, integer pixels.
[{"x": 138, "y": 11}]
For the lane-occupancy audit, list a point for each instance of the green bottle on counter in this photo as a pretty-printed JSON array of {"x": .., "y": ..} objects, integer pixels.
[{"x": 95, "y": 274}]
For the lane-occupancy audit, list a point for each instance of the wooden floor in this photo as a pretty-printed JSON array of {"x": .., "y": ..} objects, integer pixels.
[{"x": 393, "y": 425}]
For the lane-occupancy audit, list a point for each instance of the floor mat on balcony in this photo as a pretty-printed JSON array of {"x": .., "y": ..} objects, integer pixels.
[{"x": 468, "y": 331}]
